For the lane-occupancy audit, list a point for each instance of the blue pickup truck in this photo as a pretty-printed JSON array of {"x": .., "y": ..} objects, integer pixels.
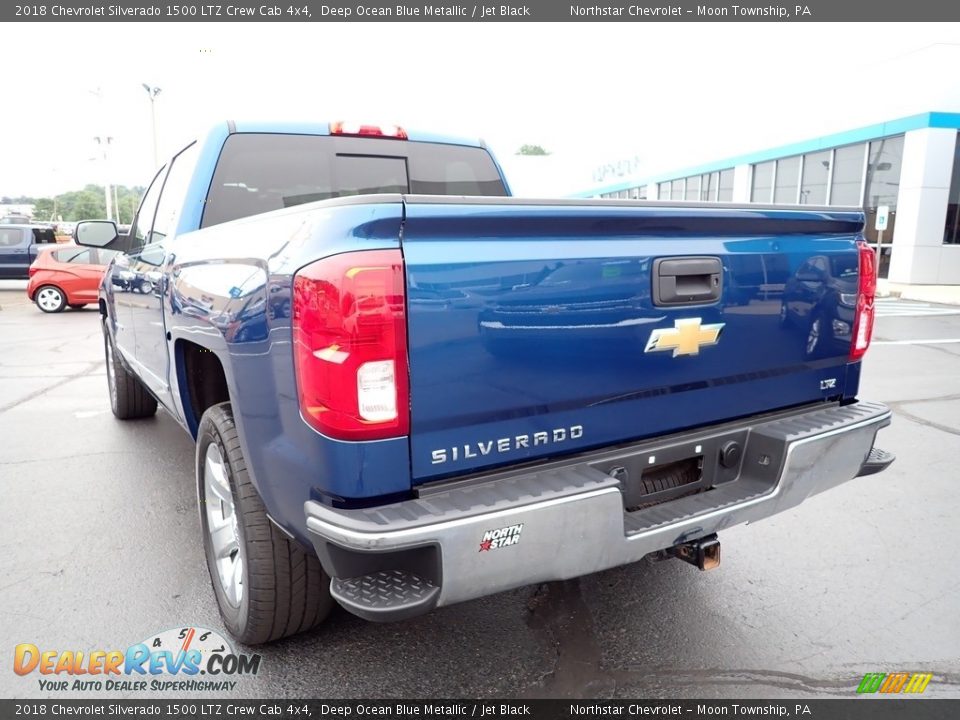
[
  {"x": 19, "y": 245},
  {"x": 409, "y": 389}
]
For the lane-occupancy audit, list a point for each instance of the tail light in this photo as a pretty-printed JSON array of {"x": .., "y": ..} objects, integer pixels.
[
  {"x": 866, "y": 295},
  {"x": 384, "y": 131},
  {"x": 32, "y": 270},
  {"x": 350, "y": 345}
]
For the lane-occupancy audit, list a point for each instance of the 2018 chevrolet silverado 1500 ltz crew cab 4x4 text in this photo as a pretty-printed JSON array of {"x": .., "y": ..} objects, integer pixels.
[{"x": 408, "y": 389}]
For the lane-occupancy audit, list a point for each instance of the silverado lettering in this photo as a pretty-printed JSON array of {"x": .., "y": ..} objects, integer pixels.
[{"x": 503, "y": 445}]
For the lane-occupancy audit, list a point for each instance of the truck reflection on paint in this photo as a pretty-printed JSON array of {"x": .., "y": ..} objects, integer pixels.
[{"x": 819, "y": 302}]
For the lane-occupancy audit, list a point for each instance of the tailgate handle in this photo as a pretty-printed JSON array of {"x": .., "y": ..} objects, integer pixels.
[{"x": 687, "y": 280}]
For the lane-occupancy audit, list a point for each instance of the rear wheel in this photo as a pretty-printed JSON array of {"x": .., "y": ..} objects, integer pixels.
[
  {"x": 267, "y": 586},
  {"x": 50, "y": 299},
  {"x": 128, "y": 398}
]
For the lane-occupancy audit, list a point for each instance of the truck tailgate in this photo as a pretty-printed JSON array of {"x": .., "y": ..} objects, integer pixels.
[{"x": 544, "y": 328}]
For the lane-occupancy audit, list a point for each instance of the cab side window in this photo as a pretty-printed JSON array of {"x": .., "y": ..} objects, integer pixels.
[
  {"x": 148, "y": 207},
  {"x": 174, "y": 192},
  {"x": 10, "y": 237}
]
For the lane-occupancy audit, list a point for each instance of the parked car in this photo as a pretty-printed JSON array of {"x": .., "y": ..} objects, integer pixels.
[
  {"x": 19, "y": 246},
  {"x": 15, "y": 220},
  {"x": 362, "y": 448},
  {"x": 67, "y": 275}
]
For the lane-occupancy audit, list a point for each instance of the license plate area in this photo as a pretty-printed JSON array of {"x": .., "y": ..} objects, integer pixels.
[
  {"x": 657, "y": 484},
  {"x": 658, "y": 475}
]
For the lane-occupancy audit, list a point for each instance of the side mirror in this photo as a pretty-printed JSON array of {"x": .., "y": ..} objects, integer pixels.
[
  {"x": 153, "y": 255},
  {"x": 95, "y": 233}
]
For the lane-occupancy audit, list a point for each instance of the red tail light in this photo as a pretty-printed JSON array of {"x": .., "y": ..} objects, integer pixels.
[
  {"x": 350, "y": 345},
  {"x": 32, "y": 270},
  {"x": 866, "y": 295},
  {"x": 385, "y": 131}
]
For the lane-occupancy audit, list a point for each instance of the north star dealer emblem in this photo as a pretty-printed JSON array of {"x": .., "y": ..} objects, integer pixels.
[
  {"x": 501, "y": 537},
  {"x": 686, "y": 337}
]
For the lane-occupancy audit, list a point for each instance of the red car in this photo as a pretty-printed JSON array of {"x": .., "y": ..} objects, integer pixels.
[{"x": 67, "y": 275}]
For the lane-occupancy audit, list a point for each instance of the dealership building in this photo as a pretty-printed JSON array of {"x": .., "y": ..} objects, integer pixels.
[{"x": 904, "y": 173}]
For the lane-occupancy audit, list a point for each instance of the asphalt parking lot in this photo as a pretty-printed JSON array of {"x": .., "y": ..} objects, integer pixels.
[{"x": 100, "y": 548}]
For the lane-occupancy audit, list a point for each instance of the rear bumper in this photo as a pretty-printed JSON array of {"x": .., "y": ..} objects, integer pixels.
[{"x": 565, "y": 519}]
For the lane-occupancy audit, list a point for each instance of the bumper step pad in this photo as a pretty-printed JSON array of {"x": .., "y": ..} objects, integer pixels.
[
  {"x": 387, "y": 595},
  {"x": 877, "y": 461}
]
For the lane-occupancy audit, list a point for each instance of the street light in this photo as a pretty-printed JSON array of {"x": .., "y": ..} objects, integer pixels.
[
  {"x": 104, "y": 142},
  {"x": 152, "y": 93}
]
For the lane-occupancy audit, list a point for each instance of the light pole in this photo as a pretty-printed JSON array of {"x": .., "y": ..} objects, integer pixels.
[
  {"x": 104, "y": 143},
  {"x": 152, "y": 93}
]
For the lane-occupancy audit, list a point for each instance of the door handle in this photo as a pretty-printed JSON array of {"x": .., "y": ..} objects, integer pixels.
[{"x": 687, "y": 280}]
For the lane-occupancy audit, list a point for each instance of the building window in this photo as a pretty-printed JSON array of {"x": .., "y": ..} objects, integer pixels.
[
  {"x": 676, "y": 190},
  {"x": 642, "y": 192},
  {"x": 845, "y": 189},
  {"x": 788, "y": 178},
  {"x": 762, "y": 188},
  {"x": 883, "y": 172},
  {"x": 951, "y": 231},
  {"x": 708, "y": 187},
  {"x": 663, "y": 190},
  {"x": 884, "y": 159},
  {"x": 816, "y": 171},
  {"x": 725, "y": 188},
  {"x": 693, "y": 188}
]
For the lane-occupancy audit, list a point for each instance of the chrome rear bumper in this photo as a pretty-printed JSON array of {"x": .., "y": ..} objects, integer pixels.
[{"x": 567, "y": 518}]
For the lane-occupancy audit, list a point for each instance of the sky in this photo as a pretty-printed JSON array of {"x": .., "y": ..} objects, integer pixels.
[{"x": 671, "y": 95}]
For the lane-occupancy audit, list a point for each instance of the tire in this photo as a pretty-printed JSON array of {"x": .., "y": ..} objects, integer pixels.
[
  {"x": 50, "y": 299},
  {"x": 77, "y": 306},
  {"x": 267, "y": 586},
  {"x": 145, "y": 287},
  {"x": 129, "y": 400}
]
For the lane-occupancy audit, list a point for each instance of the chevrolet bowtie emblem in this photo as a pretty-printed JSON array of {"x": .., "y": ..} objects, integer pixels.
[{"x": 686, "y": 337}]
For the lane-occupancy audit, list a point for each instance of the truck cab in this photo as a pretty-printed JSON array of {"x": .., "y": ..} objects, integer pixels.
[{"x": 19, "y": 244}]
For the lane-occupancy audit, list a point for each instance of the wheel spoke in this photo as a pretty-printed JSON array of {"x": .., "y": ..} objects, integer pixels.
[
  {"x": 224, "y": 541},
  {"x": 237, "y": 580},
  {"x": 217, "y": 480},
  {"x": 224, "y": 546}
]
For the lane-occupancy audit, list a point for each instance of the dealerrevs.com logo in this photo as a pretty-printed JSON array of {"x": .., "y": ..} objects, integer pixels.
[{"x": 186, "y": 659}]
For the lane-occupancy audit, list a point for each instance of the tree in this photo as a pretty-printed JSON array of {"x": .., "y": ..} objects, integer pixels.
[
  {"x": 43, "y": 209},
  {"x": 531, "y": 150},
  {"x": 87, "y": 204}
]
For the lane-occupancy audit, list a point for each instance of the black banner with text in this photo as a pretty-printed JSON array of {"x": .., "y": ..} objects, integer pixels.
[{"x": 531, "y": 10}]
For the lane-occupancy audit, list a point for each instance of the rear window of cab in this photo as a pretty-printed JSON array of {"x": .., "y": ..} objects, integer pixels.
[{"x": 260, "y": 172}]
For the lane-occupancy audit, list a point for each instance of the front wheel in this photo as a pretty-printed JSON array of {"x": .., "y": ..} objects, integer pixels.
[
  {"x": 50, "y": 299},
  {"x": 267, "y": 586}
]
